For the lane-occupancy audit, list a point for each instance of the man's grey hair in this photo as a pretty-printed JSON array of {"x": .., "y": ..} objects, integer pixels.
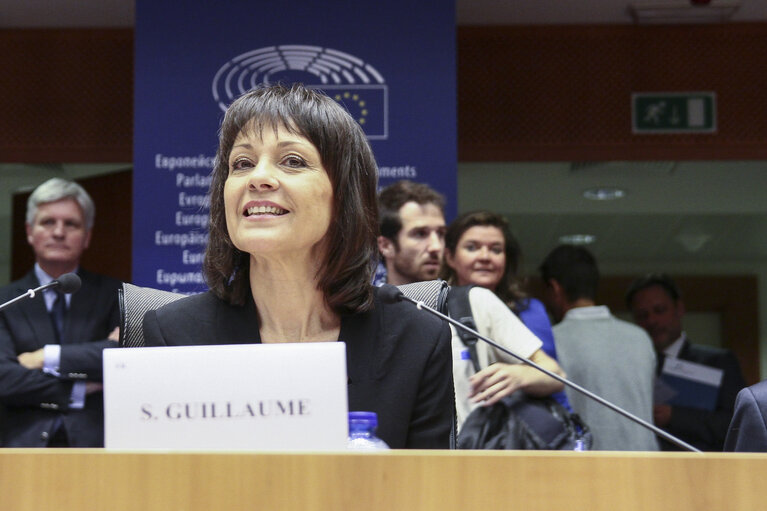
[{"x": 56, "y": 189}]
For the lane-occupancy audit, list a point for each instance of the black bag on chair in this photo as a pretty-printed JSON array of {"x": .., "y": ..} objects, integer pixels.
[
  {"x": 523, "y": 422},
  {"x": 517, "y": 421}
]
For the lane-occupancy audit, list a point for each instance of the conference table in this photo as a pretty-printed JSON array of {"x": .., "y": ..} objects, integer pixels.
[{"x": 107, "y": 480}]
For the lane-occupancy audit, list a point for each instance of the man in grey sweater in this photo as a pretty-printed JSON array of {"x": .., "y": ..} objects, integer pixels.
[{"x": 608, "y": 356}]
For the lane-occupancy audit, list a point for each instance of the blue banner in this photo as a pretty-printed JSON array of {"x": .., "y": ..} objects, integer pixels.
[{"x": 391, "y": 64}]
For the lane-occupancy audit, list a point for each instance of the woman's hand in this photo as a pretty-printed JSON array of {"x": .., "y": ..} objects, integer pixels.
[
  {"x": 499, "y": 380},
  {"x": 493, "y": 383}
]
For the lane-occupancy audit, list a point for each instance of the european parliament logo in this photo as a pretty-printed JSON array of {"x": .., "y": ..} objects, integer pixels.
[{"x": 355, "y": 84}]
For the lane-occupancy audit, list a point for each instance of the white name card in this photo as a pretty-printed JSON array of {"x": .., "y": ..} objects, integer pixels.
[{"x": 265, "y": 397}]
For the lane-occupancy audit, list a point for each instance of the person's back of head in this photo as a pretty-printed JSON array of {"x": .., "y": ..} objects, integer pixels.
[
  {"x": 393, "y": 197},
  {"x": 575, "y": 269}
]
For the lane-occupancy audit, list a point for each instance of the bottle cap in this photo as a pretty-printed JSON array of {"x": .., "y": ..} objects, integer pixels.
[{"x": 359, "y": 418}]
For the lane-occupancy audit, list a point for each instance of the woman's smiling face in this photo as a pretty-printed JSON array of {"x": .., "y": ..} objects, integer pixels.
[
  {"x": 278, "y": 196},
  {"x": 480, "y": 257}
]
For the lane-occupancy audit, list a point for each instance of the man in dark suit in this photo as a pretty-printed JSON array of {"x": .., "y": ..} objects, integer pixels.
[
  {"x": 657, "y": 306},
  {"x": 748, "y": 429},
  {"x": 51, "y": 344}
]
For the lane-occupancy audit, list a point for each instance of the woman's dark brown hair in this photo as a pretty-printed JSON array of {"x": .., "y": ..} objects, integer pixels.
[
  {"x": 510, "y": 288},
  {"x": 346, "y": 271}
]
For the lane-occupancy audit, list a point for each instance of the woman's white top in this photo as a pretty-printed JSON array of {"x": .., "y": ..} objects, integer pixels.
[{"x": 496, "y": 321}]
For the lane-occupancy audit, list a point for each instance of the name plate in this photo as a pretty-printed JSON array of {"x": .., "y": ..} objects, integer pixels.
[{"x": 265, "y": 397}]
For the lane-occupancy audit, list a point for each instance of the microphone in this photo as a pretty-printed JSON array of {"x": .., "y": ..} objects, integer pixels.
[
  {"x": 68, "y": 283},
  {"x": 391, "y": 294}
]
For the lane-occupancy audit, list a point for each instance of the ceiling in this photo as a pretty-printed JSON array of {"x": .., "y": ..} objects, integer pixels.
[
  {"x": 679, "y": 216},
  {"x": 120, "y": 13},
  {"x": 675, "y": 216}
]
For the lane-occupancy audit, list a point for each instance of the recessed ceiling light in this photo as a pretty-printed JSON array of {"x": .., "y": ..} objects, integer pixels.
[
  {"x": 693, "y": 241},
  {"x": 604, "y": 193},
  {"x": 577, "y": 239}
]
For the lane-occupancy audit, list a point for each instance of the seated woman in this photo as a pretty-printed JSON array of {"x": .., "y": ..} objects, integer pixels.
[
  {"x": 476, "y": 253},
  {"x": 293, "y": 223}
]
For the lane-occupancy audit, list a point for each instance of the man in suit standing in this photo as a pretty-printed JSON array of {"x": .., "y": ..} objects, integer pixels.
[
  {"x": 657, "y": 306},
  {"x": 50, "y": 345}
]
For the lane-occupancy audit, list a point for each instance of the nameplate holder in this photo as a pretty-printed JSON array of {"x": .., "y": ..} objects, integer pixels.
[{"x": 262, "y": 397}]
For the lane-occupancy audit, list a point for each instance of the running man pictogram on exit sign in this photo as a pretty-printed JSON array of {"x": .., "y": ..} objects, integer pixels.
[{"x": 673, "y": 112}]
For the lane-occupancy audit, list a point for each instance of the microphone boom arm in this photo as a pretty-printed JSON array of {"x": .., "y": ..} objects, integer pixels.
[
  {"x": 68, "y": 282},
  {"x": 585, "y": 392},
  {"x": 29, "y": 294}
]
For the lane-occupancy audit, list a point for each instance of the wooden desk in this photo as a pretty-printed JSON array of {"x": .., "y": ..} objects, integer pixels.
[{"x": 95, "y": 479}]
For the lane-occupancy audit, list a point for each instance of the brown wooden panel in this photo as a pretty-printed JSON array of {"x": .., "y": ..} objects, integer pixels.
[
  {"x": 111, "y": 244},
  {"x": 524, "y": 93},
  {"x": 563, "y": 93},
  {"x": 66, "y": 95}
]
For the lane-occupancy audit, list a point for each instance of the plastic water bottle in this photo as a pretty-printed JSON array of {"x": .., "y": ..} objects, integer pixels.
[{"x": 362, "y": 432}]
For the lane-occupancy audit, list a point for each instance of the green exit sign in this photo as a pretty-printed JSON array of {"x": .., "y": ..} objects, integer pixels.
[{"x": 673, "y": 112}]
